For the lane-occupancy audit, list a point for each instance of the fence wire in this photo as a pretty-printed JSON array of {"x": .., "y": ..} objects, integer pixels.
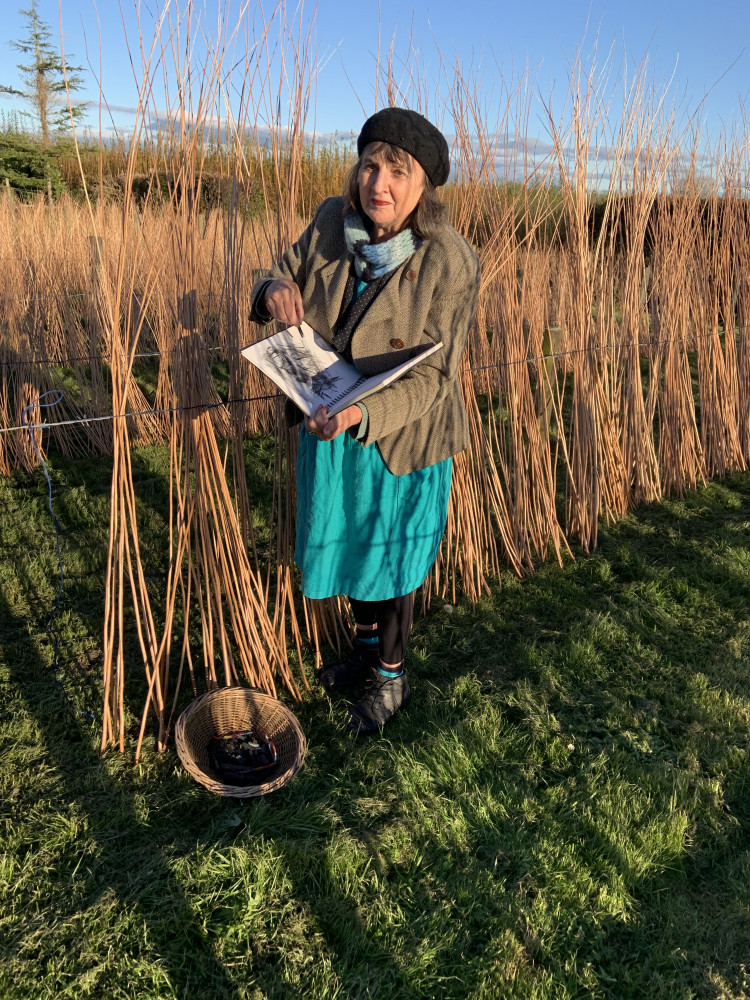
[{"x": 79, "y": 421}]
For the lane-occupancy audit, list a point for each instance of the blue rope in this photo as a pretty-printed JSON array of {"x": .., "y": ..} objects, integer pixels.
[{"x": 57, "y": 394}]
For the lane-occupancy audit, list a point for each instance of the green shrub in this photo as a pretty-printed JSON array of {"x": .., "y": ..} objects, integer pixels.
[{"x": 28, "y": 167}]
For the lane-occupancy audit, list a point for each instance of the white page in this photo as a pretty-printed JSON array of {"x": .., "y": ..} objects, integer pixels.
[{"x": 312, "y": 374}]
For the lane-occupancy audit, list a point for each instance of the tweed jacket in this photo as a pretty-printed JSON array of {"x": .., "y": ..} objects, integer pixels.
[{"x": 419, "y": 419}]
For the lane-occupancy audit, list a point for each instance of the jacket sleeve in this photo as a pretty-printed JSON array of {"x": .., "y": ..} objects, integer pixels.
[{"x": 449, "y": 320}]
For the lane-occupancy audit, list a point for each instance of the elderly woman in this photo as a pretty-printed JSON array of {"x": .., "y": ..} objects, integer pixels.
[{"x": 379, "y": 274}]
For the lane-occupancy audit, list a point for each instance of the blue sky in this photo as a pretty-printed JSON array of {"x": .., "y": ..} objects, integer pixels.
[{"x": 700, "y": 46}]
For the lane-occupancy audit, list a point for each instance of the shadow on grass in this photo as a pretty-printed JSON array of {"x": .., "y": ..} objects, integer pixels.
[
  {"x": 135, "y": 863},
  {"x": 125, "y": 862}
]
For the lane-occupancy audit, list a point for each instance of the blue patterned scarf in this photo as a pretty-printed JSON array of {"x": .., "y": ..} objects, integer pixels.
[{"x": 373, "y": 260}]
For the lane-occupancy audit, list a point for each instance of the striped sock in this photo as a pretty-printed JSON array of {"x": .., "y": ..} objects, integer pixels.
[
  {"x": 368, "y": 637},
  {"x": 366, "y": 645},
  {"x": 391, "y": 672}
]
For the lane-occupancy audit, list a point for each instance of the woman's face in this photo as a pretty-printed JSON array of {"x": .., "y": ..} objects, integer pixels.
[{"x": 388, "y": 192}]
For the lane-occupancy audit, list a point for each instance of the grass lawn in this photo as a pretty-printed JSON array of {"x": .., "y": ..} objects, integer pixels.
[{"x": 564, "y": 810}]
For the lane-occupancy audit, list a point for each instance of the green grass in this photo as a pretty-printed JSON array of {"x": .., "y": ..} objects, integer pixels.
[{"x": 563, "y": 812}]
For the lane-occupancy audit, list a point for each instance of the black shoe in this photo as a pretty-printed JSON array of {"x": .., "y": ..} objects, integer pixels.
[
  {"x": 383, "y": 697},
  {"x": 352, "y": 671}
]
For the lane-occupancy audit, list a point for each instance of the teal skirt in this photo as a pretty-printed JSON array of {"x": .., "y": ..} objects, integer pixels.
[{"x": 361, "y": 531}]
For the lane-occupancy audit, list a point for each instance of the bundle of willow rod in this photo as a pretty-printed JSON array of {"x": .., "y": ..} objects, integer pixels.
[{"x": 124, "y": 567}]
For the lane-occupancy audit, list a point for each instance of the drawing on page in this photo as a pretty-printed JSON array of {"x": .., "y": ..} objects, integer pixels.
[
  {"x": 324, "y": 384},
  {"x": 296, "y": 361}
]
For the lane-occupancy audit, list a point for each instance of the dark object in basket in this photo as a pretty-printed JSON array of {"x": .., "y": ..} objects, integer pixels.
[{"x": 243, "y": 758}]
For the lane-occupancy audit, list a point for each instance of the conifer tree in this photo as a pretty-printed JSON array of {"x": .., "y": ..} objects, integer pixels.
[{"x": 44, "y": 78}]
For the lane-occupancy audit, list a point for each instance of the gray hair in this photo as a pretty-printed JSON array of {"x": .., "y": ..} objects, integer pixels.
[{"x": 430, "y": 212}]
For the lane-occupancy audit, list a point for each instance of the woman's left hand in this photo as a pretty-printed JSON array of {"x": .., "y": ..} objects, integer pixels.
[{"x": 327, "y": 428}]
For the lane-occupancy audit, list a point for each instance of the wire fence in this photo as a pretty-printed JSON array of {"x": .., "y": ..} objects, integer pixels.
[
  {"x": 91, "y": 358},
  {"x": 535, "y": 360},
  {"x": 139, "y": 413}
]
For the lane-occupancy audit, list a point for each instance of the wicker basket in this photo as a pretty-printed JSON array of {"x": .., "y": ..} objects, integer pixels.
[{"x": 228, "y": 710}]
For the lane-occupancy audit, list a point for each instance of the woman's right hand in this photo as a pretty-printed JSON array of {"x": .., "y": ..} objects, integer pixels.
[{"x": 283, "y": 302}]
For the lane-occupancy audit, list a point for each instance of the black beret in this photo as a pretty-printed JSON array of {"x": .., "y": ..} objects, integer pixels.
[{"x": 414, "y": 134}]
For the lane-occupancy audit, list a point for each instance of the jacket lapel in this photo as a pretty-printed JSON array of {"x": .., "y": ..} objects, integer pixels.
[{"x": 332, "y": 278}]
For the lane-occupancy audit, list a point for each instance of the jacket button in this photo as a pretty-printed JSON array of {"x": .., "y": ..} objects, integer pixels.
[
  {"x": 397, "y": 344},
  {"x": 411, "y": 275}
]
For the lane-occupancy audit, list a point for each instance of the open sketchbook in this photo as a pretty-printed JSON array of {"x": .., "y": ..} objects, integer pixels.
[{"x": 311, "y": 373}]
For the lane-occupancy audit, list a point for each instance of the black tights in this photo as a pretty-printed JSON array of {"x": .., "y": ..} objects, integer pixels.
[{"x": 393, "y": 618}]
